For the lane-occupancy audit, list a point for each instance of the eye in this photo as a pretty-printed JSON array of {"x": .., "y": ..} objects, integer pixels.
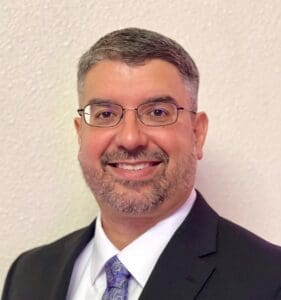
[
  {"x": 104, "y": 112},
  {"x": 158, "y": 112},
  {"x": 103, "y": 115}
]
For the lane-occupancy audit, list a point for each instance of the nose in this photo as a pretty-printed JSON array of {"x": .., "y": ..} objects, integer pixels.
[{"x": 130, "y": 135}]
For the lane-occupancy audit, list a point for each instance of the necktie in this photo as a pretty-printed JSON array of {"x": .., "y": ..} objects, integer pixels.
[{"x": 117, "y": 277}]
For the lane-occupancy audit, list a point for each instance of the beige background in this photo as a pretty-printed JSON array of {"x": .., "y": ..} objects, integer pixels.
[{"x": 236, "y": 45}]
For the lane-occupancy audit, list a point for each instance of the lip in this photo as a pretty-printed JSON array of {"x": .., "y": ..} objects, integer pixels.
[{"x": 134, "y": 170}]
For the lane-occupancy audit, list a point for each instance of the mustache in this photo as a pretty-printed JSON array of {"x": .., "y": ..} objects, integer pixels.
[{"x": 140, "y": 154}]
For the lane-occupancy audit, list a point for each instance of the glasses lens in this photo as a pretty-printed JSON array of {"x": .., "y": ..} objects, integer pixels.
[
  {"x": 102, "y": 115},
  {"x": 157, "y": 113}
]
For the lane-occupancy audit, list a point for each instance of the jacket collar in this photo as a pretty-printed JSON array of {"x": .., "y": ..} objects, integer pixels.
[
  {"x": 188, "y": 260},
  {"x": 72, "y": 246},
  {"x": 182, "y": 269}
]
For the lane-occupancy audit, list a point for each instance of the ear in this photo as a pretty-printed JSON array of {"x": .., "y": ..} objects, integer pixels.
[
  {"x": 200, "y": 128},
  {"x": 78, "y": 127}
]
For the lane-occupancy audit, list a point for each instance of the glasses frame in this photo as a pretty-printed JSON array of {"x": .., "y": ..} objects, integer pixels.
[{"x": 81, "y": 112}]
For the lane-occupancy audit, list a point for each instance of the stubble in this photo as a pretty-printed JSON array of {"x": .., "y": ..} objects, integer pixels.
[{"x": 137, "y": 197}]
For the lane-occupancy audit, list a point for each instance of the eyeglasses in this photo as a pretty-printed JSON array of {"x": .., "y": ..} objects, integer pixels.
[{"x": 150, "y": 114}]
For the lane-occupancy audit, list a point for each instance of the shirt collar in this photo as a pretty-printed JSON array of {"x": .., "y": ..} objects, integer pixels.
[
  {"x": 140, "y": 256},
  {"x": 103, "y": 250}
]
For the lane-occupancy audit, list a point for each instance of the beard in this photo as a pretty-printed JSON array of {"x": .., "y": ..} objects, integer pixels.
[{"x": 135, "y": 197}]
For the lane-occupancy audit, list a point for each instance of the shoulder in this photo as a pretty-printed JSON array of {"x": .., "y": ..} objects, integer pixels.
[
  {"x": 230, "y": 236},
  {"x": 240, "y": 238},
  {"x": 70, "y": 241},
  {"x": 240, "y": 249},
  {"x": 246, "y": 265},
  {"x": 43, "y": 266}
]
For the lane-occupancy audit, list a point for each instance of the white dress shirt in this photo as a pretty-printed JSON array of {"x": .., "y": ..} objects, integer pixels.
[{"x": 88, "y": 280}]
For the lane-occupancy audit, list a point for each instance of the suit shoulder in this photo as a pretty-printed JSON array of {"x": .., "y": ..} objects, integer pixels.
[
  {"x": 41, "y": 266},
  {"x": 246, "y": 260},
  {"x": 59, "y": 246},
  {"x": 242, "y": 243}
]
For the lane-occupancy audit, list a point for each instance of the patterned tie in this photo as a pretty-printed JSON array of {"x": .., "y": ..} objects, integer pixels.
[{"x": 117, "y": 277}]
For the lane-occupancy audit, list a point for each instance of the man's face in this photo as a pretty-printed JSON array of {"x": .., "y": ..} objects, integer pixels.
[{"x": 132, "y": 168}]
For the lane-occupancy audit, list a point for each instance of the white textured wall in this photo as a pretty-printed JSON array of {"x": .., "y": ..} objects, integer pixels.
[{"x": 236, "y": 45}]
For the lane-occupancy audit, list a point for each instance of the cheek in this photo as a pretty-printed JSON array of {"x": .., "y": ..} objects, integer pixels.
[
  {"x": 176, "y": 142},
  {"x": 92, "y": 146}
]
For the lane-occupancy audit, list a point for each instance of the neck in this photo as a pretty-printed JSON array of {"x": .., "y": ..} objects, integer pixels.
[{"x": 122, "y": 231}]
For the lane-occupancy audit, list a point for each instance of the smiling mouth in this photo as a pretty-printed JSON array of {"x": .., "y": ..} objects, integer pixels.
[{"x": 134, "y": 166}]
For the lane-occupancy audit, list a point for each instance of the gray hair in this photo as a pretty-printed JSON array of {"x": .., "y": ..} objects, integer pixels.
[{"x": 136, "y": 46}]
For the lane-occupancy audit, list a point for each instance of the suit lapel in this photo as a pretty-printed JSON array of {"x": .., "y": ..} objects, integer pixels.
[
  {"x": 181, "y": 271},
  {"x": 69, "y": 252},
  {"x": 188, "y": 260}
]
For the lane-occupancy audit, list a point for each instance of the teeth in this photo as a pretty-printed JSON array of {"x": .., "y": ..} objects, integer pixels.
[{"x": 133, "y": 167}]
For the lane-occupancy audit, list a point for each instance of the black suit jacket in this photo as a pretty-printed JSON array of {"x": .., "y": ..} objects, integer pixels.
[{"x": 207, "y": 258}]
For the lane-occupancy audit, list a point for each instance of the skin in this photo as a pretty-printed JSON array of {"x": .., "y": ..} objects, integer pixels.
[{"x": 166, "y": 155}]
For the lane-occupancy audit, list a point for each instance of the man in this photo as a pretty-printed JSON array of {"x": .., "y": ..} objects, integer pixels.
[{"x": 155, "y": 237}]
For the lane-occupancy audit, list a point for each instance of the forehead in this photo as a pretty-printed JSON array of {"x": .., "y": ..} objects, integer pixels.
[{"x": 123, "y": 83}]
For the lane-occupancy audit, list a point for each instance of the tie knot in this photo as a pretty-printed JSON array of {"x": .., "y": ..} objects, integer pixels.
[{"x": 116, "y": 274}]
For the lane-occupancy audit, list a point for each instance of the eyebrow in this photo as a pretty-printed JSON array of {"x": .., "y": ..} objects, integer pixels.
[
  {"x": 100, "y": 101},
  {"x": 167, "y": 99},
  {"x": 164, "y": 98}
]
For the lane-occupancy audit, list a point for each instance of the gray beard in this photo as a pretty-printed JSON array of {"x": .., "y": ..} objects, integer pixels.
[{"x": 139, "y": 197}]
